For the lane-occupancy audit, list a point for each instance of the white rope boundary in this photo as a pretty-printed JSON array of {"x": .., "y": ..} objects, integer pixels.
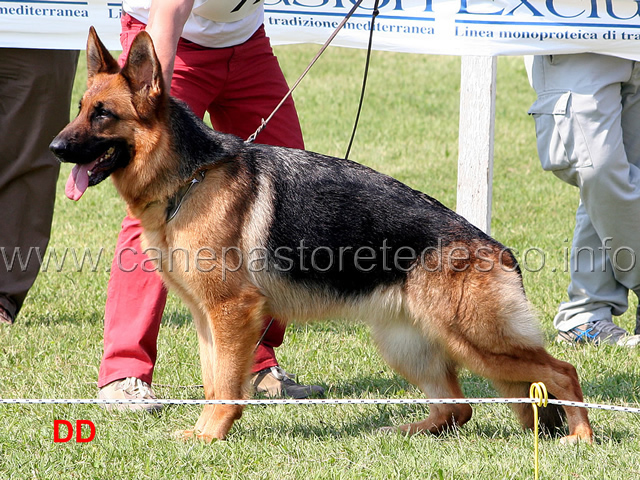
[{"x": 311, "y": 401}]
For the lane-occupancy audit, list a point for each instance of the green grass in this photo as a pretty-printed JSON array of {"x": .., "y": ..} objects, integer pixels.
[{"x": 409, "y": 129}]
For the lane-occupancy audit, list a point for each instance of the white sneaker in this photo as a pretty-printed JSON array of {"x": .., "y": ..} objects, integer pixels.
[{"x": 130, "y": 388}]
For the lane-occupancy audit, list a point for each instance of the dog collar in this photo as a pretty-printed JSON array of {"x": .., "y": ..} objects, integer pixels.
[{"x": 176, "y": 201}]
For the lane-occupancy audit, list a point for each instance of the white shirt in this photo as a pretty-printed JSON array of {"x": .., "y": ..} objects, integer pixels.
[{"x": 222, "y": 27}]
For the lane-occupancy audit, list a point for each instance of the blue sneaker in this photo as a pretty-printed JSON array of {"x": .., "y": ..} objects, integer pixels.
[{"x": 598, "y": 332}]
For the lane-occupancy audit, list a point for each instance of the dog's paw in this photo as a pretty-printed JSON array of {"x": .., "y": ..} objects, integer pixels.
[
  {"x": 187, "y": 435},
  {"x": 184, "y": 435},
  {"x": 574, "y": 439}
]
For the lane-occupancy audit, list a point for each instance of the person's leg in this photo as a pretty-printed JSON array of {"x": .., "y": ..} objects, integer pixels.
[
  {"x": 594, "y": 293},
  {"x": 630, "y": 121},
  {"x": 35, "y": 96},
  {"x": 580, "y": 137},
  {"x": 135, "y": 302},
  {"x": 135, "y": 295}
]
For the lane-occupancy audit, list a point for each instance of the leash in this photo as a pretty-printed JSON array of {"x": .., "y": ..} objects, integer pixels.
[
  {"x": 253, "y": 136},
  {"x": 364, "y": 79},
  {"x": 176, "y": 201},
  {"x": 263, "y": 334}
]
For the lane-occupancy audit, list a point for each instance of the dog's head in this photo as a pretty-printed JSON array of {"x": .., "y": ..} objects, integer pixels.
[{"x": 118, "y": 106}]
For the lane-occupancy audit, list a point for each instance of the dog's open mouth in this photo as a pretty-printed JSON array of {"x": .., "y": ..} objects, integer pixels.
[{"x": 90, "y": 174}]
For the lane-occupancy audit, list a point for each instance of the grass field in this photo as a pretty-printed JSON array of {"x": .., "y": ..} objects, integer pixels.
[{"x": 408, "y": 129}]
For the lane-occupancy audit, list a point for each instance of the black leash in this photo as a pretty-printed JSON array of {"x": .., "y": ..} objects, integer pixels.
[
  {"x": 364, "y": 79},
  {"x": 253, "y": 136},
  {"x": 263, "y": 334}
]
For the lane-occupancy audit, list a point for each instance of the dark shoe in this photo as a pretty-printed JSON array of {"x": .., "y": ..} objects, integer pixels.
[
  {"x": 5, "y": 316},
  {"x": 274, "y": 382}
]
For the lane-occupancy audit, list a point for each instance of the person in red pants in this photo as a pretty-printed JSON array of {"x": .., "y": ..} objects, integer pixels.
[{"x": 217, "y": 58}]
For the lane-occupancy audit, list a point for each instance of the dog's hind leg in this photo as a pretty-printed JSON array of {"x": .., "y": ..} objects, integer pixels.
[
  {"x": 427, "y": 366},
  {"x": 482, "y": 319},
  {"x": 486, "y": 323}
]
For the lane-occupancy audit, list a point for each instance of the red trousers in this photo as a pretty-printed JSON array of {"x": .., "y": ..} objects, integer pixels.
[{"x": 239, "y": 86}]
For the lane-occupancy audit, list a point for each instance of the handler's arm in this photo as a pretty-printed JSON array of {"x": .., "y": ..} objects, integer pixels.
[{"x": 166, "y": 21}]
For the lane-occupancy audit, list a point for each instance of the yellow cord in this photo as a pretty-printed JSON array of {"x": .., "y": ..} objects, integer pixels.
[{"x": 538, "y": 391}]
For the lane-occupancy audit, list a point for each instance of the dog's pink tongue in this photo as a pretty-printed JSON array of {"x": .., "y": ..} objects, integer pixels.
[{"x": 78, "y": 181}]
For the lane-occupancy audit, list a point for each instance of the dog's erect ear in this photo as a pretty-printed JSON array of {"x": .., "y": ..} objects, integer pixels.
[
  {"x": 144, "y": 73},
  {"x": 99, "y": 60}
]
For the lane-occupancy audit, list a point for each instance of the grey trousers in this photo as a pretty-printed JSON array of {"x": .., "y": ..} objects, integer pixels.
[
  {"x": 35, "y": 95},
  {"x": 587, "y": 119}
]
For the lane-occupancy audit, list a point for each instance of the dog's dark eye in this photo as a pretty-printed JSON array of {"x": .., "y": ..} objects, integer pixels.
[{"x": 100, "y": 112}]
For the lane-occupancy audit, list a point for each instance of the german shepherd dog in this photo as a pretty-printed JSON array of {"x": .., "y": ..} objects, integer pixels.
[{"x": 299, "y": 235}]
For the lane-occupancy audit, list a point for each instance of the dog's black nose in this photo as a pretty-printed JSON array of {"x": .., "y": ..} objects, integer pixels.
[{"x": 59, "y": 147}]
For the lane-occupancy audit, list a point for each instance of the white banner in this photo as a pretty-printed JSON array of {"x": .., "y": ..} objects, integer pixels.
[{"x": 450, "y": 27}]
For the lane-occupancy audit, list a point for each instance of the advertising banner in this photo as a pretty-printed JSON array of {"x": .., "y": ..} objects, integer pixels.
[{"x": 449, "y": 27}]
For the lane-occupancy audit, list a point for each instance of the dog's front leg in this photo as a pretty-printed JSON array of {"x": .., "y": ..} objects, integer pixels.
[{"x": 227, "y": 336}]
